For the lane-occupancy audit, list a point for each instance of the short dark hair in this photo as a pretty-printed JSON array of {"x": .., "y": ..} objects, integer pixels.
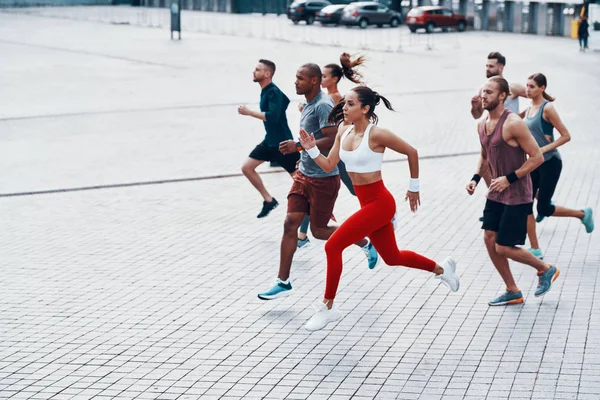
[
  {"x": 269, "y": 64},
  {"x": 314, "y": 71},
  {"x": 494, "y": 55}
]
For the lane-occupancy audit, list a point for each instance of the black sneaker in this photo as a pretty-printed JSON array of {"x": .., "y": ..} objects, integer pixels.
[{"x": 267, "y": 207}]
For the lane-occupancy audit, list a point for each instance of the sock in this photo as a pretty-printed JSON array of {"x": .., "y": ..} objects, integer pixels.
[{"x": 286, "y": 282}]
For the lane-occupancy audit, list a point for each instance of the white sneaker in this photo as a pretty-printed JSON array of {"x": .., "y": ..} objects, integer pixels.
[
  {"x": 322, "y": 317},
  {"x": 449, "y": 277}
]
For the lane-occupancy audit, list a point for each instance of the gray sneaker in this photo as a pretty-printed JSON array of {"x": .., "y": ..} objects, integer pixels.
[
  {"x": 507, "y": 298},
  {"x": 545, "y": 280}
]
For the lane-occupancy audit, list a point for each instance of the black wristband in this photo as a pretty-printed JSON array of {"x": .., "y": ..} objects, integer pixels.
[
  {"x": 476, "y": 178},
  {"x": 512, "y": 178},
  {"x": 299, "y": 147}
]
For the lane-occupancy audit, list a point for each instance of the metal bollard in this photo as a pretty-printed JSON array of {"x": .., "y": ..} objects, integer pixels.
[{"x": 176, "y": 17}]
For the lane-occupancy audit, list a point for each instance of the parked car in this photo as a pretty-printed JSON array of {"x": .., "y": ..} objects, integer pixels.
[
  {"x": 331, "y": 14},
  {"x": 305, "y": 10},
  {"x": 431, "y": 17},
  {"x": 367, "y": 13}
]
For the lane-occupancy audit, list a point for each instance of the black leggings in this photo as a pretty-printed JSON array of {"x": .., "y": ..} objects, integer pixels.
[{"x": 544, "y": 180}]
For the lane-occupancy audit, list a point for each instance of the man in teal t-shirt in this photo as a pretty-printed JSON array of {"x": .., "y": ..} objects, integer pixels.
[{"x": 273, "y": 104}]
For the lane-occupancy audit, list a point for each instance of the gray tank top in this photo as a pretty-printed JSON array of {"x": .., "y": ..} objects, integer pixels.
[
  {"x": 512, "y": 104},
  {"x": 540, "y": 128},
  {"x": 504, "y": 159}
]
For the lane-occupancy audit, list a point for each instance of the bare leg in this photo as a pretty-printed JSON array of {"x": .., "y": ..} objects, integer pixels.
[
  {"x": 289, "y": 242},
  {"x": 560, "y": 211},
  {"x": 249, "y": 170},
  {"x": 499, "y": 261},
  {"x": 531, "y": 232},
  {"x": 523, "y": 256}
]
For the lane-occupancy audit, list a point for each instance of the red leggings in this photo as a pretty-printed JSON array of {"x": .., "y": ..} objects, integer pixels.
[{"x": 374, "y": 219}]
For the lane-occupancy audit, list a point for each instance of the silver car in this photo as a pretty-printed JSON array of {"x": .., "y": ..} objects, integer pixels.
[{"x": 367, "y": 13}]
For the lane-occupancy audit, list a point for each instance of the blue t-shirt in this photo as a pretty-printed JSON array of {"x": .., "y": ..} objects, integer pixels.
[{"x": 312, "y": 120}]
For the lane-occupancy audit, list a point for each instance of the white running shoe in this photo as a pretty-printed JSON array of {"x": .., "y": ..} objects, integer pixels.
[
  {"x": 322, "y": 317},
  {"x": 449, "y": 277}
]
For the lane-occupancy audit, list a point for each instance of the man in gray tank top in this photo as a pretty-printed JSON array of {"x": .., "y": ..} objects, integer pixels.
[
  {"x": 511, "y": 153},
  {"x": 495, "y": 67}
]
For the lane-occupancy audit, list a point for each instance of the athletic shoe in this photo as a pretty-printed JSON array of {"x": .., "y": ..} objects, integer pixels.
[
  {"x": 268, "y": 206},
  {"x": 537, "y": 253},
  {"x": 507, "y": 298},
  {"x": 279, "y": 289},
  {"x": 303, "y": 243},
  {"x": 322, "y": 317},
  {"x": 449, "y": 277},
  {"x": 371, "y": 254},
  {"x": 545, "y": 280},
  {"x": 588, "y": 220}
]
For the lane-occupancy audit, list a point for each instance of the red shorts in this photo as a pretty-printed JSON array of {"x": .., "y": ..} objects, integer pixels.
[{"x": 315, "y": 196}]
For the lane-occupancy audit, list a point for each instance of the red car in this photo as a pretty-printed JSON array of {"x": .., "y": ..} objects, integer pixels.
[{"x": 431, "y": 17}]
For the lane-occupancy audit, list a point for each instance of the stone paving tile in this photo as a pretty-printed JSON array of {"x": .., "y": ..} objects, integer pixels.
[{"x": 150, "y": 291}]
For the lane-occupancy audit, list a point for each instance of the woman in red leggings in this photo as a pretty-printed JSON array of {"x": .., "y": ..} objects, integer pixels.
[{"x": 361, "y": 147}]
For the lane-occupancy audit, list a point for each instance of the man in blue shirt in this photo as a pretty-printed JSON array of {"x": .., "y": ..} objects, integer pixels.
[{"x": 273, "y": 104}]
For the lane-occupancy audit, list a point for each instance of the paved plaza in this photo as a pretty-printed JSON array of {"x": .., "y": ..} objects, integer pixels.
[{"x": 131, "y": 255}]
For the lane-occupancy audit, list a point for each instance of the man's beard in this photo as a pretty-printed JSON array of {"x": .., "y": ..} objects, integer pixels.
[
  {"x": 490, "y": 74},
  {"x": 493, "y": 105}
]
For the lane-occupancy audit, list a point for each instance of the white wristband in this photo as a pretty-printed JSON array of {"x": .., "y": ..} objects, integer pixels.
[
  {"x": 313, "y": 152},
  {"x": 413, "y": 185}
]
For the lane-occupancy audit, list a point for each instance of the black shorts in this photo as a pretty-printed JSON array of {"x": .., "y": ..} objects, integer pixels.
[
  {"x": 263, "y": 152},
  {"x": 510, "y": 222}
]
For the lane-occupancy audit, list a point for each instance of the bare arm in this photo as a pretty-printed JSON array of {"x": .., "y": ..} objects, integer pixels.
[
  {"x": 520, "y": 133},
  {"x": 328, "y": 163},
  {"x": 385, "y": 138},
  {"x": 243, "y": 110},
  {"x": 328, "y": 139},
  {"x": 517, "y": 90},
  {"x": 551, "y": 116},
  {"x": 482, "y": 161}
]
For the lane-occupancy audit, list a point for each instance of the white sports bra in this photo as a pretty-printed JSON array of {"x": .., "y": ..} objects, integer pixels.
[{"x": 362, "y": 159}]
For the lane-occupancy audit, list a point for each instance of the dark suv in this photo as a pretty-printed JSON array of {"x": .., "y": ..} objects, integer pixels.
[{"x": 305, "y": 10}]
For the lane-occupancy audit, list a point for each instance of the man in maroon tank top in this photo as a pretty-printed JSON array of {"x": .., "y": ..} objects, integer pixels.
[{"x": 505, "y": 144}]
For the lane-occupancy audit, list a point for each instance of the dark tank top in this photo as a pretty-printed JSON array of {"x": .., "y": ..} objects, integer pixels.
[{"x": 504, "y": 159}]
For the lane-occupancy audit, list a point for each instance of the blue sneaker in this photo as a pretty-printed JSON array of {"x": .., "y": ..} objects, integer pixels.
[
  {"x": 507, "y": 298},
  {"x": 588, "y": 220},
  {"x": 371, "y": 254},
  {"x": 279, "y": 289},
  {"x": 303, "y": 243},
  {"x": 537, "y": 253},
  {"x": 546, "y": 279}
]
